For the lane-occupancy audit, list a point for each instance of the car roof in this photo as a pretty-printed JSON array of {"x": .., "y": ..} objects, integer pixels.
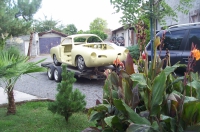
[
  {"x": 182, "y": 27},
  {"x": 82, "y": 35}
]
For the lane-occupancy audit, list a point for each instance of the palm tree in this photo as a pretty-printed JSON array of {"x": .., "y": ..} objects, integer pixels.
[{"x": 12, "y": 66}]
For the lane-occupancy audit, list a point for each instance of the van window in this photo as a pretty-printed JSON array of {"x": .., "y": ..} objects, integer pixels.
[
  {"x": 173, "y": 39},
  {"x": 194, "y": 38}
]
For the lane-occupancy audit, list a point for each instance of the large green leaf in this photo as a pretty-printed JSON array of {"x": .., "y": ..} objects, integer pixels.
[
  {"x": 132, "y": 115},
  {"x": 158, "y": 90},
  {"x": 188, "y": 99},
  {"x": 139, "y": 78},
  {"x": 128, "y": 95},
  {"x": 169, "y": 123},
  {"x": 114, "y": 80},
  {"x": 100, "y": 107},
  {"x": 114, "y": 122},
  {"x": 191, "y": 112},
  {"x": 96, "y": 116},
  {"x": 106, "y": 91},
  {"x": 170, "y": 69},
  {"x": 139, "y": 128},
  {"x": 196, "y": 85}
]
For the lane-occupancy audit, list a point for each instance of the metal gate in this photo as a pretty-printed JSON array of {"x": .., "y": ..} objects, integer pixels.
[{"x": 47, "y": 43}]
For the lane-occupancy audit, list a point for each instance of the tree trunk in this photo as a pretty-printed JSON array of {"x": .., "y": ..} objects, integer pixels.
[
  {"x": 11, "y": 101},
  {"x": 30, "y": 45},
  {"x": 66, "y": 118}
]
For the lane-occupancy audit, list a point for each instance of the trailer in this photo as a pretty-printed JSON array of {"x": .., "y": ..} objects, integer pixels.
[{"x": 54, "y": 72}]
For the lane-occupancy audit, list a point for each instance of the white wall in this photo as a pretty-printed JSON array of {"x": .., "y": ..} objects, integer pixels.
[
  {"x": 182, "y": 18},
  {"x": 126, "y": 33}
]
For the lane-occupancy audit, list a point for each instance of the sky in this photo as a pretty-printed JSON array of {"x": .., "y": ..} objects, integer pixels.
[{"x": 79, "y": 12}]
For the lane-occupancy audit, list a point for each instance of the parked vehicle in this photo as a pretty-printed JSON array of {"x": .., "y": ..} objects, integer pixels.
[
  {"x": 119, "y": 41},
  {"x": 178, "y": 40},
  {"x": 86, "y": 51}
]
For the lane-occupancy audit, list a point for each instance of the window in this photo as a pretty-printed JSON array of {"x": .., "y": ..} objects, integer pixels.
[
  {"x": 173, "y": 40},
  {"x": 194, "y": 38}
]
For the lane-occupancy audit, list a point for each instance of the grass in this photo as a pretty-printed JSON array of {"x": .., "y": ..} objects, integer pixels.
[{"x": 34, "y": 117}]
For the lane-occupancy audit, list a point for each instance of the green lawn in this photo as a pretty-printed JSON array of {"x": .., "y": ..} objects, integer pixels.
[{"x": 34, "y": 117}]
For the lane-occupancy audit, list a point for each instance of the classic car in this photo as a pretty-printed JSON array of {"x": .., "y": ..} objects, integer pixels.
[{"x": 86, "y": 51}]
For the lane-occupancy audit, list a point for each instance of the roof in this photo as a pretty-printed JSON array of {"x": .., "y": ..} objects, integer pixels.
[
  {"x": 53, "y": 31},
  {"x": 122, "y": 28},
  {"x": 118, "y": 29}
]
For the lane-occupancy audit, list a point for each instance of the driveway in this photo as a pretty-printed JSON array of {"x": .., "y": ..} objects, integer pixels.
[{"x": 39, "y": 85}]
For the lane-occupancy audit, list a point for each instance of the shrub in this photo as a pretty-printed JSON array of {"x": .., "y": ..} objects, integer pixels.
[
  {"x": 67, "y": 101},
  {"x": 152, "y": 100},
  {"x": 134, "y": 51}
]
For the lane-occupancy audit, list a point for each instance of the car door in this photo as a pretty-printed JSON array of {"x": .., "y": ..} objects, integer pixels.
[
  {"x": 193, "y": 38},
  {"x": 174, "y": 41}
]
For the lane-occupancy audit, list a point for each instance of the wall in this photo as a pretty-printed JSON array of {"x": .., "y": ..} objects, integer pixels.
[
  {"x": 22, "y": 42},
  {"x": 182, "y": 18},
  {"x": 126, "y": 33}
]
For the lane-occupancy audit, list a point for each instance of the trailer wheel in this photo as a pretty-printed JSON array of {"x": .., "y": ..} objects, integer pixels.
[
  {"x": 50, "y": 72},
  {"x": 55, "y": 61},
  {"x": 57, "y": 74}
]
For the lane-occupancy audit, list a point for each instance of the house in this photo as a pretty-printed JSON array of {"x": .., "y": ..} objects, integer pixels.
[
  {"x": 191, "y": 17},
  {"x": 49, "y": 39},
  {"x": 41, "y": 42},
  {"x": 127, "y": 35},
  {"x": 22, "y": 42}
]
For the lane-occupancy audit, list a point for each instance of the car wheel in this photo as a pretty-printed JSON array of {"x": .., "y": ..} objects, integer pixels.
[
  {"x": 50, "y": 72},
  {"x": 80, "y": 63},
  {"x": 55, "y": 61},
  {"x": 57, "y": 74}
]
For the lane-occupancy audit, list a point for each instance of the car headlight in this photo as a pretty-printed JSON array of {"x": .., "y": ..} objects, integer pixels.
[
  {"x": 126, "y": 51},
  {"x": 93, "y": 55}
]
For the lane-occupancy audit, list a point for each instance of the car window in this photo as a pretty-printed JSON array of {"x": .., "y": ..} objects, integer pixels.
[
  {"x": 67, "y": 41},
  {"x": 194, "y": 37},
  {"x": 173, "y": 39}
]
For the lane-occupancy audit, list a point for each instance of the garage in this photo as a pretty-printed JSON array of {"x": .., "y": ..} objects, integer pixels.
[{"x": 49, "y": 39}]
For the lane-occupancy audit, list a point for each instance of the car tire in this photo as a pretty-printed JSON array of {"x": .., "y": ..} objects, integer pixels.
[
  {"x": 80, "y": 63},
  {"x": 55, "y": 61},
  {"x": 57, "y": 74},
  {"x": 50, "y": 72}
]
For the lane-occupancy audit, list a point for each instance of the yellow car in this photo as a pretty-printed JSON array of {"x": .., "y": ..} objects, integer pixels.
[{"x": 86, "y": 51}]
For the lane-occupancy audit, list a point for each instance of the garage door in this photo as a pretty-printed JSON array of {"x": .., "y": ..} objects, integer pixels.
[{"x": 47, "y": 43}]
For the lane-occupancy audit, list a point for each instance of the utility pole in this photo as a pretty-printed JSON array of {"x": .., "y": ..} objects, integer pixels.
[{"x": 151, "y": 28}]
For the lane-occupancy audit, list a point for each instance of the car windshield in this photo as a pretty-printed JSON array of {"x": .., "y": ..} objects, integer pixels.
[{"x": 67, "y": 41}]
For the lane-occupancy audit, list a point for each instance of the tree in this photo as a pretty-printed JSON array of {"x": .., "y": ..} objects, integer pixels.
[
  {"x": 98, "y": 24},
  {"x": 47, "y": 24},
  {"x": 28, "y": 7},
  {"x": 70, "y": 29},
  {"x": 99, "y": 33},
  {"x": 11, "y": 11},
  {"x": 133, "y": 10},
  {"x": 12, "y": 66},
  {"x": 67, "y": 101}
]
